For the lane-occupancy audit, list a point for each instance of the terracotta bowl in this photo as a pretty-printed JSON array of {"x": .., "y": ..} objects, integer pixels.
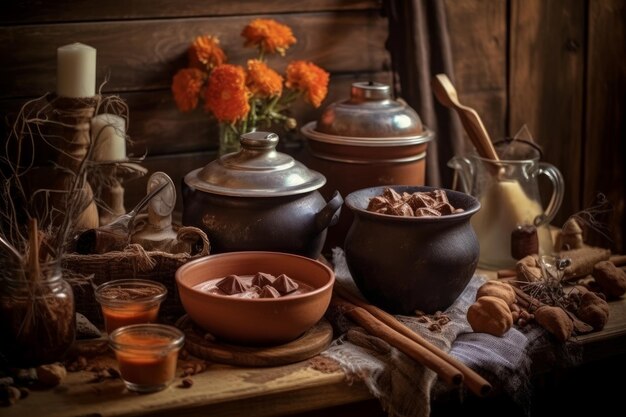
[
  {"x": 258, "y": 321},
  {"x": 403, "y": 264}
]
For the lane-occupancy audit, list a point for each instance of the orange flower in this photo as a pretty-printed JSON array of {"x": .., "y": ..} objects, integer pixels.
[
  {"x": 308, "y": 78},
  {"x": 186, "y": 87},
  {"x": 269, "y": 35},
  {"x": 205, "y": 53},
  {"x": 262, "y": 80},
  {"x": 226, "y": 95}
]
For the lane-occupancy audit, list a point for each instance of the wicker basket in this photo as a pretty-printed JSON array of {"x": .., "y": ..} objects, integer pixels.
[{"x": 133, "y": 262}]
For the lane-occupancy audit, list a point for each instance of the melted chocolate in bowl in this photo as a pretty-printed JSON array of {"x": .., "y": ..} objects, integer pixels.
[{"x": 251, "y": 286}]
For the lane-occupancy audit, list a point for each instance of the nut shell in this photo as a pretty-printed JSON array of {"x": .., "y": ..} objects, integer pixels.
[
  {"x": 490, "y": 315},
  {"x": 498, "y": 289}
]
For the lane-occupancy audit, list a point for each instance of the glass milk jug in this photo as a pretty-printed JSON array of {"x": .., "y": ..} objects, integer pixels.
[{"x": 508, "y": 192}]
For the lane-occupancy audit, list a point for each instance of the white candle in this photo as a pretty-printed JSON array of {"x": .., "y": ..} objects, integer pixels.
[
  {"x": 108, "y": 134},
  {"x": 76, "y": 70}
]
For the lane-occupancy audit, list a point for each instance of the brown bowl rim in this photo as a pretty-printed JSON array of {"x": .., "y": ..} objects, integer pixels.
[{"x": 316, "y": 291}]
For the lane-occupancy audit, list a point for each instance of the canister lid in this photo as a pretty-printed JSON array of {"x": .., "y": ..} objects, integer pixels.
[
  {"x": 370, "y": 117},
  {"x": 257, "y": 170}
]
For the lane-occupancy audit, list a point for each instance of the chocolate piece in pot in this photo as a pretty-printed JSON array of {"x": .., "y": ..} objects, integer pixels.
[
  {"x": 392, "y": 196},
  {"x": 284, "y": 284},
  {"x": 418, "y": 201},
  {"x": 401, "y": 210},
  {"x": 444, "y": 208},
  {"x": 378, "y": 204},
  {"x": 269, "y": 292},
  {"x": 261, "y": 279},
  {"x": 426, "y": 211},
  {"x": 438, "y": 195},
  {"x": 231, "y": 284}
]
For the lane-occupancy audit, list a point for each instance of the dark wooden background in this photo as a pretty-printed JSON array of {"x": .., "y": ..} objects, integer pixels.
[{"x": 557, "y": 66}]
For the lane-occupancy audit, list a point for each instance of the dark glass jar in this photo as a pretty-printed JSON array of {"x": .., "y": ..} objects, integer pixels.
[{"x": 37, "y": 317}]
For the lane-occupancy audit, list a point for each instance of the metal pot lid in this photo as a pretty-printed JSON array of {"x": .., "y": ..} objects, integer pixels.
[
  {"x": 257, "y": 170},
  {"x": 370, "y": 117}
]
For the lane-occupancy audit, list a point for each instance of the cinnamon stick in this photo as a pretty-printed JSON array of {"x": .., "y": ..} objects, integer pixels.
[
  {"x": 448, "y": 373},
  {"x": 474, "y": 382}
]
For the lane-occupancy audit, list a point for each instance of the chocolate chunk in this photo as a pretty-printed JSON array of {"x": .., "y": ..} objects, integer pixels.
[
  {"x": 86, "y": 329},
  {"x": 230, "y": 285},
  {"x": 401, "y": 210},
  {"x": 392, "y": 196},
  {"x": 439, "y": 196},
  {"x": 269, "y": 292},
  {"x": 378, "y": 204},
  {"x": 261, "y": 279},
  {"x": 444, "y": 208},
  {"x": 418, "y": 200},
  {"x": 427, "y": 212},
  {"x": 284, "y": 284}
]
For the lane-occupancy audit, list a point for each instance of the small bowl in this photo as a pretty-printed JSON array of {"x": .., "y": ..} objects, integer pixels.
[
  {"x": 147, "y": 355},
  {"x": 403, "y": 264},
  {"x": 256, "y": 321},
  {"x": 123, "y": 304}
]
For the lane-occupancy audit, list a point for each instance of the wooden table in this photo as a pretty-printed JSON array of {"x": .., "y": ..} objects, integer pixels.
[{"x": 231, "y": 391}]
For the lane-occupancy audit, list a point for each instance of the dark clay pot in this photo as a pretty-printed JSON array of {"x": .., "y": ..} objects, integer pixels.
[
  {"x": 293, "y": 224},
  {"x": 403, "y": 264},
  {"x": 259, "y": 199}
]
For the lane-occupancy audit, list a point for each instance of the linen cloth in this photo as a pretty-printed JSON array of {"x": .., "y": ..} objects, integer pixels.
[{"x": 404, "y": 386}]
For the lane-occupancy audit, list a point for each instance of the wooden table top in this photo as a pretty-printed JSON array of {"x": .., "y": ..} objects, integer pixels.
[{"x": 229, "y": 391}]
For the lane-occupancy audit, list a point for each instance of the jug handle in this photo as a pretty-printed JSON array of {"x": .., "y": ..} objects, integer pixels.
[
  {"x": 464, "y": 168},
  {"x": 329, "y": 215},
  {"x": 558, "y": 190}
]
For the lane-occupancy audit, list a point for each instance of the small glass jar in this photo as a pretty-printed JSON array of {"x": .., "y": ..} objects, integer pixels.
[
  {"x": 37, "y": 317},
  {"x": 147, "y": 355},
  {"x": 129, "y": 301}
]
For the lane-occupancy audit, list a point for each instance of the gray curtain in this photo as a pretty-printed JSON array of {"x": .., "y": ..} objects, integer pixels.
[{"x": 419, "y": 45}]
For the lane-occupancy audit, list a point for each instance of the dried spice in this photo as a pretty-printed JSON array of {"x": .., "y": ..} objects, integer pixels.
[
  {"x": 556, "y": 321},
  {"x": 593, "y": 310}
]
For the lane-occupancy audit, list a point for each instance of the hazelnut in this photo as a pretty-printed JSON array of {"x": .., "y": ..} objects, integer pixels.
[
  {"x": 593, "y": 310},
  {"x": 498, "y": 289},
  {"x": 490, "y": 315},
  {"x": 51, "y": 375},
  {"x": 610, "y": 279}
]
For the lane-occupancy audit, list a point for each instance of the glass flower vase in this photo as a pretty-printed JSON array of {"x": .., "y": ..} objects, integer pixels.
[{"x": 229, "y": 140}]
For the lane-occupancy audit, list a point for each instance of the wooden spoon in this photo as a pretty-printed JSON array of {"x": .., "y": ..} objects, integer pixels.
[{"x": 447, "y": 95}]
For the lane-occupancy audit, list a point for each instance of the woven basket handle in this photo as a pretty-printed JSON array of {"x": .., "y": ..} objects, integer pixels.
[{"x": 193, "y": 233}]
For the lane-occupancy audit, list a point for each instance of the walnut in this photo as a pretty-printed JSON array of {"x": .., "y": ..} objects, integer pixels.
[
  {"x": 498, "y": 289},
  {"x": 556, "y": 321},
  {"x": 593, "y": 310},
  {"x": 490, "y": 315},
  {"x": 51, "y": 375},
  {"x": 610, "y": 279}
]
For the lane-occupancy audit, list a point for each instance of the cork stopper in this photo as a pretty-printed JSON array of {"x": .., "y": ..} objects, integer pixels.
[{"x": 524, "y": 241}]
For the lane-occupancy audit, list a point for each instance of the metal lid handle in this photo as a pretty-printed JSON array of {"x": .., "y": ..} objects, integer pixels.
[{"x": 259, "y": 140}]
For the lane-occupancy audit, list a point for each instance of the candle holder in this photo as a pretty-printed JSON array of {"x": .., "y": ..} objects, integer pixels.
[{"x": 72, "y": 141}]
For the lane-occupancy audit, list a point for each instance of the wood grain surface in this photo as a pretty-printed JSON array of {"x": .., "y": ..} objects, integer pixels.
[
  {"x": 546, "y": 73},
  {"x": 312, "y": 342}
]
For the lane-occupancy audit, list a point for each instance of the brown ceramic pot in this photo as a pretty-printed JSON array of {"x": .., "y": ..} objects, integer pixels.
[
  {"x": 403, "y": 264},
  {"x": 364, "y": 141},
  {"x": 259, "y": 320},
  {"x": 259, "y": 199}
]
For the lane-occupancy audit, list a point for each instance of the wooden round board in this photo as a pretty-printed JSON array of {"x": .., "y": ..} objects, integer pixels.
[{"x": 312, "y": 342}]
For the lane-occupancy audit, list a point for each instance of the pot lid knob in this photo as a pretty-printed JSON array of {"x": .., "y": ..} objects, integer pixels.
[{"x": 259, "y": 140}]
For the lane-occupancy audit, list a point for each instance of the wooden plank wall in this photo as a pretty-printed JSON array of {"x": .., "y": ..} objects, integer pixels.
[{"x": 557, "y": 67}]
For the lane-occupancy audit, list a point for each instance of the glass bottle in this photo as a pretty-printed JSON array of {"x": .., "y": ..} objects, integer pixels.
[{"x": 37, "y": 317}]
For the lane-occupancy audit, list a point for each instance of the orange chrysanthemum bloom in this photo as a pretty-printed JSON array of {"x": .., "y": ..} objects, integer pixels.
[
  {"x": 205, "y": 53},
  {"x": 262, "y": 80},
  {"x": 226, "y": 96},
  {"x": 308, "y": 78},
  {"x": 269, "y": 35},
  {"x": 186, "y": 87}
]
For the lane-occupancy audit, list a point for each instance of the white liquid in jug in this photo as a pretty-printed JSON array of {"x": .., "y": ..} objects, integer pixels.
[{"x": 504, "y": 206}]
